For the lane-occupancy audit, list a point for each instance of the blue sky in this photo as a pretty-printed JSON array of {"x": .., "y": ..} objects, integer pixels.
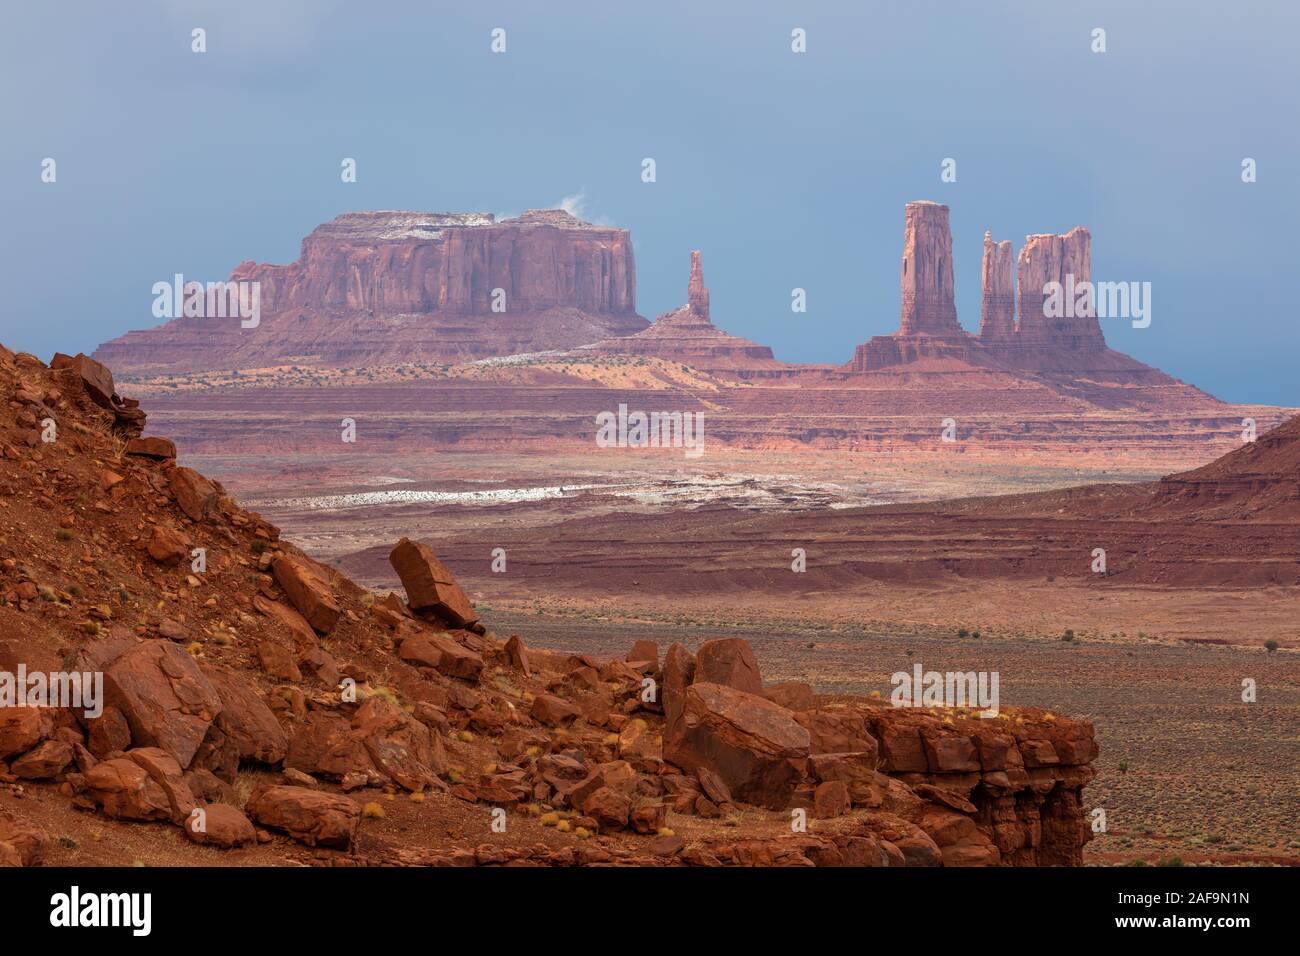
[{"x": 785, "y": 170}]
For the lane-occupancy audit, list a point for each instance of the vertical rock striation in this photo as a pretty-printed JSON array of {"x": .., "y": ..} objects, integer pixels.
[
  {"x": 697, "y": 297},
  {"x": 998, "y": 305},
  {"x": 926, "y": 276},
  {"x": 1064, "y": 259}
]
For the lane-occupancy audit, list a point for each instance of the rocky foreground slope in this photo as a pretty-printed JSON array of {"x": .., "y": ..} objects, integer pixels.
[{"x": 257, "y": 701}]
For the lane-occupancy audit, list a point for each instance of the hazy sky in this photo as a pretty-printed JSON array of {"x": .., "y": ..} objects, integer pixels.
[{"x": 785, "y": 170}]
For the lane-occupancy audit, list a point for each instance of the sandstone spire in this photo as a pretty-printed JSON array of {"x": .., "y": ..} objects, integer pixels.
[
  {"x": 998, "y": 308},
  {"x": 697, "y": 297},
  {"x": 1054, "y": 258},
  {"x": 927, "y": 272}
]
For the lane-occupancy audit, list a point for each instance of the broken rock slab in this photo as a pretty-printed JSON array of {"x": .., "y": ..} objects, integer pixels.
[
  {"x": 754, "y": 745},
  {"x": 430, "y": 587},
  {"x": 307, "y": 591},
  {"x": 308, "y": 816},
  {"x": 165, "y": 697}
]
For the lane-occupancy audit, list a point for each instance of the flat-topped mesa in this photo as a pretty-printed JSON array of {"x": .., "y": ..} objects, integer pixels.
[
  {"x": 392, "y": 287},
  {"x": 404, "y": 263},
  {"x": 687, "y": 336},
  {"x": 926, "y": 276},
  {"x": 998, "y": 305},
  {"x": 1067, "y": 260}
]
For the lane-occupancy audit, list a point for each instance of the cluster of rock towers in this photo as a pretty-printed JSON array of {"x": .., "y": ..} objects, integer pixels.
[{"x": 928, "y": 327}]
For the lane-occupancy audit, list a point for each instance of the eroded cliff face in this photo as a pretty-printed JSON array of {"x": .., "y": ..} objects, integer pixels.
[
  {"x": 926, "y": 276},
  {"x": 381, "y": 287},
  {"x": 998, "y": 305}
]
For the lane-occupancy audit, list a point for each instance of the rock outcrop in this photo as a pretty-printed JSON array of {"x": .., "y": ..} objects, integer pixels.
[
  {"x": 389, "y": 287},
  {"x": 1048, "y": 258},
  {"x": 687, "y": 336},
  {"x": 418, "y": 696},
  {"x": 1067, "y": 345}
]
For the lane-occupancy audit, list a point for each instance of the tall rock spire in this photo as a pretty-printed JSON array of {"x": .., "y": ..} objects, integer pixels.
[
  {"x": 697, "y": 297},
  {"x": 926, "y": 277},
  {"x": 998, "y": 307}
]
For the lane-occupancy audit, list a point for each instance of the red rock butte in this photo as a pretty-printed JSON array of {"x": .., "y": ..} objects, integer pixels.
[
  {"x": 1035, "y": 342},
  {"x": 373, "y": 288},
  {"x": 687, "y": 335}
]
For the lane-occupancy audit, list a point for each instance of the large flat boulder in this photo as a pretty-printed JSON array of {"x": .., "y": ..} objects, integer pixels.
[
  {"x": 302, "y": 633},
  {"x": 94, "y": 376},
  {"x": 22, "y": 728},
  {"x": 307, "y": 591},
  {"x": 43, "y": 762},
  {"x": 309, "y": 816},
  {"x": 20, "y": 844},
  {"x": 729, "y": 661},
  {"x": 430, "y": 587},
  {"x": 165, "y": 697},
  {"x": 246, "y": 719},
  {"x": 754, "y": 745},
  {"x": 194, "y": 494},
  {"x": 381, "y": 742},
  {"x": 220, "y": 825},
  {"x": 153, "y": 447},
  {"x": 124, "y": 790},
  {"x": 836, "y": 731},
  {"x": 443, "y": 655}
]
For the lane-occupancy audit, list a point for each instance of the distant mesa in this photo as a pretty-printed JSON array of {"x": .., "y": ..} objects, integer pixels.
[
  {"x": 373, "y": 288},
  {"x": 387, "y": 288},
  {"x": 688, "y": 336}
]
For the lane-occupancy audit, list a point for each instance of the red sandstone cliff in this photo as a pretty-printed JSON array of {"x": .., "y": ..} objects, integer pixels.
[
  {"x": 385, "y": 287},
  {"x": 998, "y": 305},
  {"x": 926, "y": 276}
]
